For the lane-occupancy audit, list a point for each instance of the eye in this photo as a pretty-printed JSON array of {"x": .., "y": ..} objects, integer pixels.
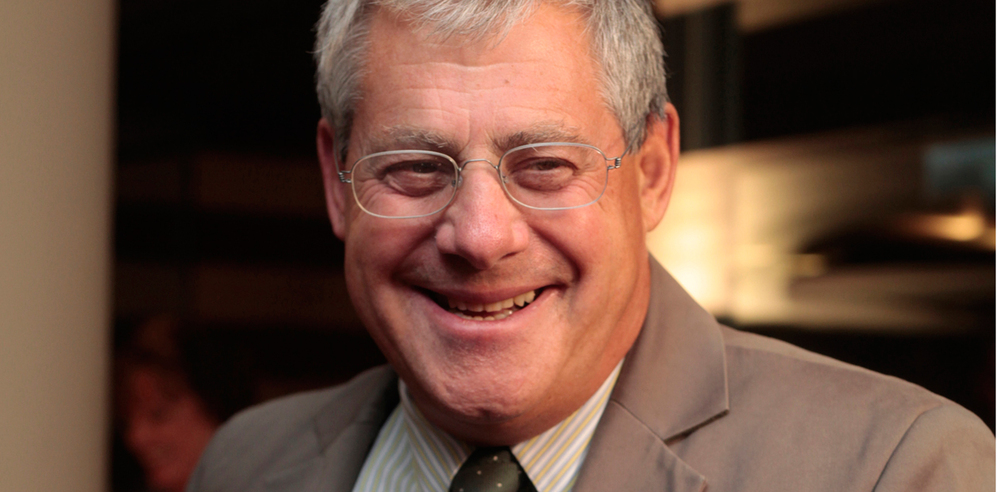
[
  {"x": 421, "y": 167},
  {"x": 549, "y": 164},
  {"x": 416, "y": 178},
  {"x": 411, "y": 168},
  {"x": 541, "y": 173},
  {"x": 541, "y": 164}
]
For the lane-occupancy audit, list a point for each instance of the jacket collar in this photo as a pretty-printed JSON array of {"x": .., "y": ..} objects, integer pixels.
[
  {"x": 345, "y": 430},
  {"x": 674, "y": 377},
  {"x": 672, "y": 382}
]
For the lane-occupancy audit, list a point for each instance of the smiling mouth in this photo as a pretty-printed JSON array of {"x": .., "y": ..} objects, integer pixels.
[{"x": 493, "y": 311}]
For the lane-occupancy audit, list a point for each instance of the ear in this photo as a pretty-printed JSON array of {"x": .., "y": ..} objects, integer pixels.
[
  {"x": 658, "y": 165},
  {"x": 336, "y": 192}
]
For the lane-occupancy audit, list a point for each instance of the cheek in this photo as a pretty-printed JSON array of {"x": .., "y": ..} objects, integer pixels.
[
  {"x": 366, "y": 266},
  {"x": 606, "y": 244},
  {"x": 375, "y": 250},
  {"x": 376, "y": 247},
  {"x": 624, "y": 210},
  {"x": 603, "y": 235}
]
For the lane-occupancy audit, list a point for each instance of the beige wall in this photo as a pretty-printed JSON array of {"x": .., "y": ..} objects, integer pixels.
[{"x": 56, "y": 117}]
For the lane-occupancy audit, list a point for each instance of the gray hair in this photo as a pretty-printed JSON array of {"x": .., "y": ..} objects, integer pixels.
[{"x": 624, "y": 34}]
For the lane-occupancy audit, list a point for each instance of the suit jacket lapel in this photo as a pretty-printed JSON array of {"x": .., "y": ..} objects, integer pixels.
[
  {"x": 345, "y": 431},
  {"x": 625, "y": 455},
  {"x": 672, "y": 382}
]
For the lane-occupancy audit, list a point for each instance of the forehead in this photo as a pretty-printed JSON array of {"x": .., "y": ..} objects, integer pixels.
[{"x": 466, "y": 91}]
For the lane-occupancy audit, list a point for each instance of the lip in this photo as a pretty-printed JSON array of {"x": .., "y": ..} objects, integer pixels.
[
  {"x": 455, "y": 327},
  {"x": 482, "y": 297}
]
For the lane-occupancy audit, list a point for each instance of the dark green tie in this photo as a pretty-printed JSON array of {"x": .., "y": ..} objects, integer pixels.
[{"x": 493, "y": 470}]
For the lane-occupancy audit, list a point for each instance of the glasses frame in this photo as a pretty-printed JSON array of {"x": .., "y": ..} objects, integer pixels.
[{"x": 345, "y": 175}]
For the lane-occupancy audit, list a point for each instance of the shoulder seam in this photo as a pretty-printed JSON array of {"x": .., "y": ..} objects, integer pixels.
[
  {"x": 902, "y": 437},
  {"x": 808, "y": 357}
]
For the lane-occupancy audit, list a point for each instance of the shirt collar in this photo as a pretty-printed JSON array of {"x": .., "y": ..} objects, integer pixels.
[{"x": 551, "y": 459}]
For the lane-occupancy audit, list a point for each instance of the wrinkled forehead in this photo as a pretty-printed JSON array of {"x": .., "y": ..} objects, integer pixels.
[{"x": 539, "y": 79}]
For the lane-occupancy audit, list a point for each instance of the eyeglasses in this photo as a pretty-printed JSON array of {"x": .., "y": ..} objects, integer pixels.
[{"x": 401, "y": 184}]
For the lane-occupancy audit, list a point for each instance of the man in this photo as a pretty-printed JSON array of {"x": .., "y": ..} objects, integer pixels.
[{"x": 492, "y": 168}]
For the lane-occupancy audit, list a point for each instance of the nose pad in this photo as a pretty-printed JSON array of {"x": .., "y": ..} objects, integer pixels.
[
  {"x": 470, "y": 161},
  {"x": 496, "y": 171}
]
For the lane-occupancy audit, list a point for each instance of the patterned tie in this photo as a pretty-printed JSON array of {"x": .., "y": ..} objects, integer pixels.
[{"x": 493, "y": 470}]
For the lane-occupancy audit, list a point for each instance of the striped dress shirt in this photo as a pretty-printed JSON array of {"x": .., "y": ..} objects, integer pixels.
[{"x": 412, "y": 455}]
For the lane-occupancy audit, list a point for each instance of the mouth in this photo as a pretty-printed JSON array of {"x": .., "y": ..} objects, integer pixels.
[{"x": 493, "y": 311}]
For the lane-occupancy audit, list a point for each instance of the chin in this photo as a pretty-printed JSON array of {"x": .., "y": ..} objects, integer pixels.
[{"x": 488, "y": 397}]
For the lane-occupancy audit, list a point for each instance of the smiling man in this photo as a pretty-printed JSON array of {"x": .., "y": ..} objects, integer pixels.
[{"x": 492, "y": 168}]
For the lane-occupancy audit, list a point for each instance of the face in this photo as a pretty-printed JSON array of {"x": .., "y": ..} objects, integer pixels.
[
  {"x": 418, "y": 284},
  {"x": 167, "y": 430}
]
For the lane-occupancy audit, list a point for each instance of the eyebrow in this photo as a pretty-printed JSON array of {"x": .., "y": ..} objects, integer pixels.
[
  {"x": 403, "y": 137},
  {"x": 538, "y": 133}
]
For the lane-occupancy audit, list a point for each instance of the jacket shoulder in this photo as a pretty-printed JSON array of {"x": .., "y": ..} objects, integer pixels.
[
  {"x": 281, "y": 433},
  {"x": 815, "y": 420},
  {"x": 760, "y": 363}
]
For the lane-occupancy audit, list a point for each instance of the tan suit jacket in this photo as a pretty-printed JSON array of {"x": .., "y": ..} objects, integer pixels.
[{"x": 697, "y": 406}]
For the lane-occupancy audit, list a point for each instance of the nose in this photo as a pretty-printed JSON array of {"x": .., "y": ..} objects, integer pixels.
[{"x": 482, "y": 225}]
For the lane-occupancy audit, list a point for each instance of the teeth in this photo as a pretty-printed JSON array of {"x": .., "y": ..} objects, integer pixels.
[
  {"x": 493, "y": 317},
  {"x": 525, "y": 298},
  {"x": 497, "y": 310}
]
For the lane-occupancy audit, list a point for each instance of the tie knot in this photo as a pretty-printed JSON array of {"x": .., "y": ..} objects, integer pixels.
[{"x": 493, "y": 469}]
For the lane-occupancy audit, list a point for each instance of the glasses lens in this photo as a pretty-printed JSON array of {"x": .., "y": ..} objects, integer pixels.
[
  {"x": 404, "y": 184},
  {"x": 554, "y": 176}
]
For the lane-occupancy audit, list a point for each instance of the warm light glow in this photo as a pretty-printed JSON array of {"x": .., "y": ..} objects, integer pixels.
[
  {"x": 810, "y": 265},
  {"x": 692, "y": 241},
  {"x": 742, "y": 215},
  {"x": 694, "y": 253},
  {"x": 694, "y": 279},
  {"x": 968, "y": 226},
  {"x": 756, "y": 255},
  {"x": 956, "y": 228}
]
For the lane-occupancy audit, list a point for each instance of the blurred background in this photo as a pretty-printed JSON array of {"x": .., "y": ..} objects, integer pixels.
[{"x": 836, "y": 190}]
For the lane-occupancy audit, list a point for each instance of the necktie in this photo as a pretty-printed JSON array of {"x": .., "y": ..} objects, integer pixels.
[{"x": 493, "y": 470}]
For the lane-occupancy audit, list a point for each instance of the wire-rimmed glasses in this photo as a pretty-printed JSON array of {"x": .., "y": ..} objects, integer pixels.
[{"x": 400, "y": 184}]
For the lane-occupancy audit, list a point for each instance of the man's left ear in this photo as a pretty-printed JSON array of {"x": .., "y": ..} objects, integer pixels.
[
  {"x": 658, "y": 165},
  {"x": 336, "y": 196}
]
